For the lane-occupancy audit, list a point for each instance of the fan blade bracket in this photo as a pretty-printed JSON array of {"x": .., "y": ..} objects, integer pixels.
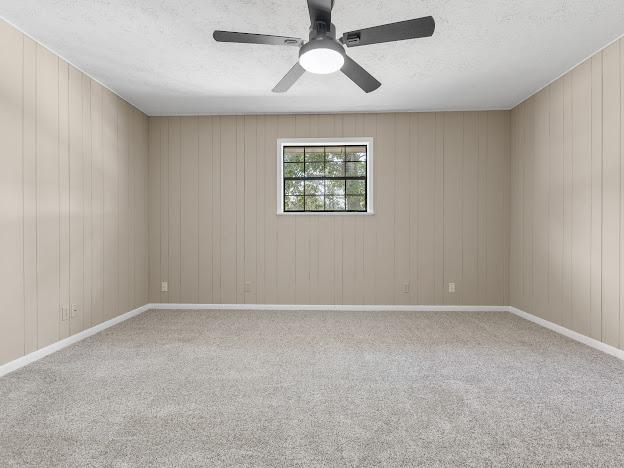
[{"x": 351, "y": 38}]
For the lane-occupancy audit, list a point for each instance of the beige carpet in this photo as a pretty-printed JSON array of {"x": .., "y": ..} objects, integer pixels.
[{"x": 214, "y": 388}]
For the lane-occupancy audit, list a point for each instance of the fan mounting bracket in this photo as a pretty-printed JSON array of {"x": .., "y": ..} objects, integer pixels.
[{"x": 319, "y": 30}]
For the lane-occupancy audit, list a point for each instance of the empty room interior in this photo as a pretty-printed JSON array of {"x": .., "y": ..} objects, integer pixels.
[{"x": 311, "y": 233}]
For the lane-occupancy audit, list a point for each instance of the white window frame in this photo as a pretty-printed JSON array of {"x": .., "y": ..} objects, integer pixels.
[{"x": 366, "y": 141}]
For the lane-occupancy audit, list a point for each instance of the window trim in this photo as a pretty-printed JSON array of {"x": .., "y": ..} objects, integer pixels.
[{"x": 366, "y": 141}]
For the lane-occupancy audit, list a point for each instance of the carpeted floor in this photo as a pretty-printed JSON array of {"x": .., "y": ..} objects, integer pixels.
[{"x": 211, "y": 388}]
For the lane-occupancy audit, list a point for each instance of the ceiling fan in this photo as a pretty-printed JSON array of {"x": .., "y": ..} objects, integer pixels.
[{"x": 324, "y": 54}]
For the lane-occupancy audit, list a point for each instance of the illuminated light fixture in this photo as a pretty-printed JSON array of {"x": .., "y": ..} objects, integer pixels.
[{"x": 322, "y": 56}]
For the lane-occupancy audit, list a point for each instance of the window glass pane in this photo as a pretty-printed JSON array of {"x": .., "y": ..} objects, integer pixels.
[
  {"x": 335, "y": 154},
  {"x": 293, "y": 169},
  {"x": 334, "y": 169},
  {"x": 356, "y": 203},
  {"x": 325, "y": 178},
  {"x": 356, "y": 153},
  {"x": 334, "y": 203},
  {"x": 335, "y": 187},
  {"x": 314, "y": 203},
  {"x": 293, "y": 204},
  {"x": 356, "y": 187},
  {"x": 314, "y": 187},
  {"x": 314, "y": 169},
  {"x": 356, "y": 168},
  {"x": 315, "y": 154},
  {"x": 293, "y": 154},
  {"x": 293, "y": 187}
]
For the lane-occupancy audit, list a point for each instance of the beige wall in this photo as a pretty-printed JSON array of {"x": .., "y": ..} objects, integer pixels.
[
  {"x": 567, "y": 256},
  {"x": 73, "y": 211},
  {"x": 441, "y": 187}
]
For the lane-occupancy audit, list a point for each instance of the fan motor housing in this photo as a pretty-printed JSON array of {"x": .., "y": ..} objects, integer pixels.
[
  {"x": 322, "y": 38},
  {"x": 322, "y": 43}
]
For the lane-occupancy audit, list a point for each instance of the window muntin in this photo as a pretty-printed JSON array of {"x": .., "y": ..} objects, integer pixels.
[{"x": 325, "y": 178}]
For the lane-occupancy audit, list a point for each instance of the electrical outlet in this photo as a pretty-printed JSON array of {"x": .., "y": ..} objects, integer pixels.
[
  {"x": 74, "y": 310},
  {"x": 247, "y": 287},
  {"x": 64, "y": 313},
  {"x": 451, "y": 287},
  {"x": 164, "y": 286},
  {"x": 405, "y": 288}
]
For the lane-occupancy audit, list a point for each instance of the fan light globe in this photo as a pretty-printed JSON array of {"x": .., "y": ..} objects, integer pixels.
[{"x": 321, "y": 60}]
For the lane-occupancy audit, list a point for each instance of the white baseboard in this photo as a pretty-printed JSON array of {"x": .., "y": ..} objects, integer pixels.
[
  {"x": 599, "y": 345},
  {"x": 345, "y": 308},
  {"x": 43, "y": 352}
]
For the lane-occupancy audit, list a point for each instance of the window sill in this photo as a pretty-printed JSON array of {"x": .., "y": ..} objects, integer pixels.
[{"x": 335, "y": 213}]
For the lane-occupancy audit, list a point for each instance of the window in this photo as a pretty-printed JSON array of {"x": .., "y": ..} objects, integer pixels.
[{"x": 325, "y": 176}]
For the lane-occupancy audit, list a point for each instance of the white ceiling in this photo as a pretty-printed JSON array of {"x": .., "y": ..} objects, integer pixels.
[{"x": 160, "y": 55}]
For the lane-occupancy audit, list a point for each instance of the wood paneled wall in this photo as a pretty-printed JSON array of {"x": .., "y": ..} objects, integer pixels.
[
  {"x": 441, "y": 187},
  {"x": 567, "y": 257},
  {"x": 73, "y": 206}
]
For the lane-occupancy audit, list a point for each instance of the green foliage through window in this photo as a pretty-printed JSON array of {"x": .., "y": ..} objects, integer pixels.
[{"x": 325, "y": 178}]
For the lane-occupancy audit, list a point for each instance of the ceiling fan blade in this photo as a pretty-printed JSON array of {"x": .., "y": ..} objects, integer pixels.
[
  {"x": 359, "y": 76},
  {"x": 320, "y": 10},
  {"x": 410, "y": 29},
  {"x": 248, "y": 38},
  {"x": 289, "y": 79}
]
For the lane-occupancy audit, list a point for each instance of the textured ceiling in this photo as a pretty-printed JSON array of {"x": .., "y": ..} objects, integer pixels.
[{"x": 160, "y": 55}]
